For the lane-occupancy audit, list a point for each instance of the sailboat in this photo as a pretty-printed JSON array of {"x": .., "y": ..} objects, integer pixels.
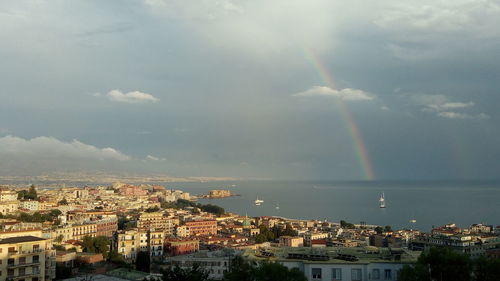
[
  {"x": 277, "y": 206},
  {"x": 382, "y": 201},
  {"x": 258, "y": 202}
]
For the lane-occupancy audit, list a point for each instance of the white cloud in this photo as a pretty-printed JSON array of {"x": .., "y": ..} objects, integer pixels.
[
  {"x": 131, "y": 97},
  {"x": 443, "y": 107},
  {"x": 456, "y": 115},
  {"x": 346, "y": 94},
  {"x": 154, "y": 158},
  {"x": 49, "y": 147}
]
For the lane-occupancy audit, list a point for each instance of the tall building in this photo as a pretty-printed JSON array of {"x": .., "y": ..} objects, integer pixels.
[{"x": 26, "y": 258}]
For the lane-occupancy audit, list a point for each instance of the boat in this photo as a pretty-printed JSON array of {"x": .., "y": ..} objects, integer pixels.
[
  {"x": 413, "y": 220},
  {"x": 277, "y": 206},
  {"x": 382, "y": 201},
  {"x": 258, "y": 202}
]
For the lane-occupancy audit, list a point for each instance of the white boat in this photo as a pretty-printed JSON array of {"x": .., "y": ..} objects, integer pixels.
[
  {"x": 382, "y": 201},
  {"x": 277, "y": 206},
  {"x": 258, "y": 202},
  {"x": 413, "y": 220}
]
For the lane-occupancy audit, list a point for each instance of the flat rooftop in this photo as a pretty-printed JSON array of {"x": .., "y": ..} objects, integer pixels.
[
  {"x": 20, "y": 239},
  {"x": 359, "y": 255}
]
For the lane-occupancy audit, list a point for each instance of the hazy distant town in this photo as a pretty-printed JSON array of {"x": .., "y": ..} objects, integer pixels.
[{"x": 138, "y": 232}]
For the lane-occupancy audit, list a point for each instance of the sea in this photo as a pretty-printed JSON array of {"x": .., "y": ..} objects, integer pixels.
[{"x": 409, "y": 204}]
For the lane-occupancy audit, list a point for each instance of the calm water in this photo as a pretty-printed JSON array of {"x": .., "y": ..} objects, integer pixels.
[{"x": 430, "y": 203}]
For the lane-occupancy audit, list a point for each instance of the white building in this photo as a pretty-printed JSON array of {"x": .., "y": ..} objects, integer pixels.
[{"x": 31, "y": 205}]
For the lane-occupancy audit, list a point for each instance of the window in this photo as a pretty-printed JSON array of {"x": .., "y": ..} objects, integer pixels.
[
  {"x": 36, "y": 259},
  {"x": 316, "y": 273},
  {"x": 10, "y": 261},
  {"x": 376, "y": 274},
  {"x": 12, "y": 249},
  {"x": 388, "y": 274},
  {"x": 22, "y": 271},
  {"x": 356, "y": 274},
  {"x": 10, "y": 272},
  {"x": 336, "y": 274},
  {"x": 22, "y": 260}
]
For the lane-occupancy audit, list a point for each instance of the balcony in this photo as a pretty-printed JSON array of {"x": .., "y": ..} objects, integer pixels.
[
  {"x": 13, "y": 265},
  {"x": 24, "y": 252},
  {"x": 25, "y": 275}
]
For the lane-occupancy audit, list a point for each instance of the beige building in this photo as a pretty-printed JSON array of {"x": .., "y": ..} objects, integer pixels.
[
  {"x": 26, "y": 258},
  {"x": 31, "y": 205},
  {"x": 156, "y": 240},
  {"x": 7, "y": 195},
  {"x": 8, "y": 207},
  {"x": 127, "y": 243},
  {"x": 291, "y": 241},
  {"x": 181, "y": 231},
  {"x": 156, "y": 221}
]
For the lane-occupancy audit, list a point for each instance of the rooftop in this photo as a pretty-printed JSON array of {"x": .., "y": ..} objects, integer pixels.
[
  {"x": 20, "y": 239},
  {"x": 361, "y": 255}
]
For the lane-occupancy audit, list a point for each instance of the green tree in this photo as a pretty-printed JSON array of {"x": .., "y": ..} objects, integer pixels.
[
  {"x": 240, "y": 269},
  {"x": 143, "y": 261},
  {"x": 441, "y": 264},
  {"x": 487, "y": 269},
  {"x": 344, "y": 224},
  {"x": 379, "y": 230},
  {"x": 59, "y": 238},
  {"x": 117, "y": 259},
  {"x": 88, "y": 244},
  {"x": 268, "y": 271},
  {"x": 195, "y": 273},
  {"x": 63, "y": 202},
  {"x": 101, "y": 245},
  {"x": 388, "y": 228}
]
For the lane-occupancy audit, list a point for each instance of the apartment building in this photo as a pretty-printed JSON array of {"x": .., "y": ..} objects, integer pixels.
[
  {"x": 156, "y": 220},
  {"x": 202, "y": 227},
  {"x": 28, "y": 258},
  {"x": 127, "y": 243}
]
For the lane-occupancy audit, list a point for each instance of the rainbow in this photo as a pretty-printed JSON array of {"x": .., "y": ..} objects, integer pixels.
[{"x": 357, "y": 138}]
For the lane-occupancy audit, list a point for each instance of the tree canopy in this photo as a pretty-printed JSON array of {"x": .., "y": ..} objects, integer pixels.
[
  {"x": 244, "y": 270},
  {"x": 444, "y": 264}
]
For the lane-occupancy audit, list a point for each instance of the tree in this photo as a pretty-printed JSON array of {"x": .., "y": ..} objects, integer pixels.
[
  {"x": 268, "y": 271},
  {"x": 486, "y": 269},
  {"x": 441, "y": 264},
  {"x": 388, "y": 228},
  {"x": 379, "y": 230},
  {"x": 195, "y": 273},
  {"x": 243, "y": 270},
  {"x": 344, "y": 224},
  {"x": 63, "y": 202},
  {"x": 88, "y": 244},
  {"x": 117, "y": 259},
  {"x": 59, "y": 238},
  {"x": 143, "y": 261},
  {"x": 101, "y": 245},
  {"x": 239, "y": 270},
  {"x": 152, "y": 209}
]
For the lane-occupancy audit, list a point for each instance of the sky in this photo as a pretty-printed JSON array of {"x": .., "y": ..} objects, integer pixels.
[{"x": 251, "y": 89}]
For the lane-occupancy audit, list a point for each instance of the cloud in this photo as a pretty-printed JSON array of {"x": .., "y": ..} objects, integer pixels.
[
  {"x": 131, "y": 97},
  {"x": 346, "y": 94},
  {"x": 449, "y": 105},
  {"x": 154, "y": 158},
  {"x": 455, "y": 115},
  {"x": 49, "y": 147},
  {"x": 439, "y": 28},
  {"x": 443, "y": 107}
]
